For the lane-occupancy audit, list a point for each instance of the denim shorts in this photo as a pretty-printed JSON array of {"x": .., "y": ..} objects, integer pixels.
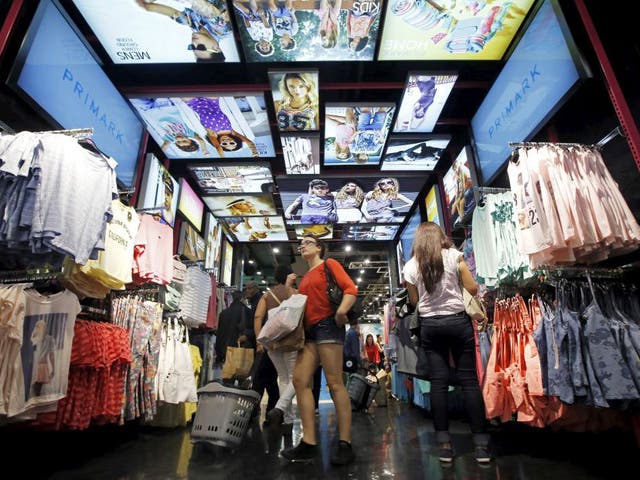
[{"x": 325, "y": 331}]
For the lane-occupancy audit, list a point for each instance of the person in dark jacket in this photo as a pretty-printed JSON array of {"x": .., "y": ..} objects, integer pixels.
[
  {"x": 231, "y": 323},
  {"x": 264, "y": 374}
]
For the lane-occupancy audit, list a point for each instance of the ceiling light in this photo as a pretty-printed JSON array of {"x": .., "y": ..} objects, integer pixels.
[
  {"x": 362, "y": 271},
  {"x": 258, "y": 272},
  {"x": 264, "y": 281},
  {"x": 347, "y": 248},
  {"x": 276, "y": 250},
  {"x": 359, "y": 279},
  {"x": 366, "y": 260},
  {"x": 251, "y": 262}
]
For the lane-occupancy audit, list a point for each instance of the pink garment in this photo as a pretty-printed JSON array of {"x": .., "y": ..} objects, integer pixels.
[{"x": 153, "y": 252}]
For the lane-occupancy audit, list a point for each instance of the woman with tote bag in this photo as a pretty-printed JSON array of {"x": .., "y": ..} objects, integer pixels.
[
  {"x": 284, "y": 361},
  {"x": 324, "y": 339}
]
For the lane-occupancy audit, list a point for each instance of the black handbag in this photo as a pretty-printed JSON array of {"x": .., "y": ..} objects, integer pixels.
[{"x": 335, "y": 294}]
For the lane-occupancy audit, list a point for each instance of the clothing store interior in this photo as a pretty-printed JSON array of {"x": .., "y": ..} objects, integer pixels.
[{"x": 222, "y": 149}]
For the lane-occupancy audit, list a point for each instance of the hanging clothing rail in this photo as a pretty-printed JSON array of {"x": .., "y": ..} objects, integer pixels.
[
  {"x": 608, "y": 137},
  {"x": 4, "y": 128},
  {"x": 599, "y": 144},
  {"x": 491, "y": 189},
  {"x": 74, "y": 132},
  {"x": 19, "y": 276},
  {"x": 595, "y": 272},
  {"x": 542, "y": 144}
]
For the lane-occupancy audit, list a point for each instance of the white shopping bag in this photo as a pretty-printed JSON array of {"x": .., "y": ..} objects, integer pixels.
[{"x": 283, "y": 319}]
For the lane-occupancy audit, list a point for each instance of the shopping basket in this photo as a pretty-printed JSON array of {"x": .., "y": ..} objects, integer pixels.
[
  {"x": 361, "y": 391},
  {"x": 223, "y": 414}
]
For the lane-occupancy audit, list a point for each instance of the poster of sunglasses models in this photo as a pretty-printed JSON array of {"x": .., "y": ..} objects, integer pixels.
[
  {"x": 356, "y": 134},
  {"x": 450, "y": 30},
  {"x": 233, "y": 126},
  {"x": 308, "y": 30},
  {"x": 345, "y": 200},
  {"x": 422, "y": 102},
  {"x": 162, "y": 31},
  {"x": 257, "y": 229},
  {"x": 301, "y": 154}
]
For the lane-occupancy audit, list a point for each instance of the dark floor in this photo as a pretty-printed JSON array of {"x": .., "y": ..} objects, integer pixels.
[{"x": 391, "y": 442}]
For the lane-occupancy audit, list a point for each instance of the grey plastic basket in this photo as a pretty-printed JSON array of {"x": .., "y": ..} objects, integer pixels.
[
  {"x": 223, "y": 414},
  {"x": 358, "y": 389}
]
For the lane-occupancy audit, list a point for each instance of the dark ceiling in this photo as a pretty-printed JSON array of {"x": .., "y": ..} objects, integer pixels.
[{"x": 586, "y": 117}]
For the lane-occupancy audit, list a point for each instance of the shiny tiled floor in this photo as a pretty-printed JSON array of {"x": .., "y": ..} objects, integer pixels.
[{"x": 391, "y": 442}]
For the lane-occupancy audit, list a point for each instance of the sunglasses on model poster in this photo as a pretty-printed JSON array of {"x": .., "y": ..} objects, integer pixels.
[
  {"x": 200, "y": 47},
  {"x": 385, "y": 182}
]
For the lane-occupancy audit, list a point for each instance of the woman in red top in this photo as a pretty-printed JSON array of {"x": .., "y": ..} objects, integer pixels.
[
  {"x": 373, "y": 350},
  {"x": 324, "y": 339}
]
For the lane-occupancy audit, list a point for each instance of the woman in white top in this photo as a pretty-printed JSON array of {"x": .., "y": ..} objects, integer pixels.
[{"x": 433, "y": 276}]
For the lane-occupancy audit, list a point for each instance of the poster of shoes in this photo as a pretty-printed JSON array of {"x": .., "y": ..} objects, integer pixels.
[
  {"x": 423, "y": 99},
  {"x": 308, "y": 30},
  {"x": 414, "y": 152}
]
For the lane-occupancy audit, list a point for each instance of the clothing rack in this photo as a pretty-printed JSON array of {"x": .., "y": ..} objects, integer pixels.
[
  {"x": 4, "y": 128},
  {"x": 542, "y": 144},
  {"x": 20, "y": 276},
  {"x": 575, "y": 271},
  {"x": 491, "y": 189},
  {"x": 599, "y": 144},
  {"x": 78, "y": 133},
  {"x": 608, "y": 137}
]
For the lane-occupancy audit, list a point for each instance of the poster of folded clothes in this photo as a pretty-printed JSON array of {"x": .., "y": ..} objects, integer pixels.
[
  {"x": 257, "y": 229},
  {"x": 426, "y": 30},
  {"x": 240, "y": 206},
  {"x": 318, "y": 231}
]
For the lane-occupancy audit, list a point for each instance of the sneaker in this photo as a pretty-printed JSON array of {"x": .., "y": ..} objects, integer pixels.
[
  {"x": 482, "y": 454},
  {"x": 303, "y": 452},
  {"x": 445, "y": 452},
  {"x": 343, "y": 454},
  {"x": 274, "y": 417}
]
